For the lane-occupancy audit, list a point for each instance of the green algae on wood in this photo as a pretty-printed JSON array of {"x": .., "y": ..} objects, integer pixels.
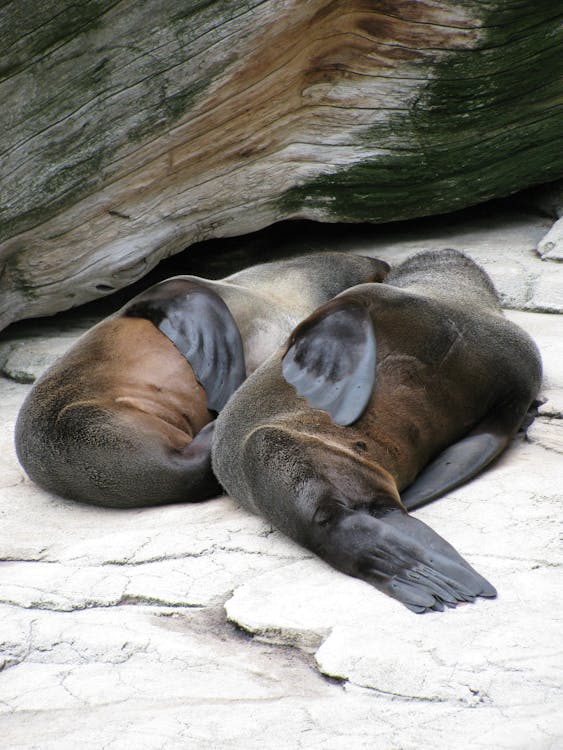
[{"x": 488, "y": 123}]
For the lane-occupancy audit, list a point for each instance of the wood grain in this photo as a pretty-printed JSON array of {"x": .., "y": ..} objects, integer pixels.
[{"x": 130, "y": 130}]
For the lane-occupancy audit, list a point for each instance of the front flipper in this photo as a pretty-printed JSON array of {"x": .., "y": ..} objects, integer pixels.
[
  {"x": 402, "y": 557},
  {"x": 201, "y": 326},
  {"x": 465, "y": 459},
  {"x": 331, "y": 360}
]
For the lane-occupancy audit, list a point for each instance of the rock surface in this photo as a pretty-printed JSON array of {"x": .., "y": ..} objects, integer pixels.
[
  {"x": 201, "y": 626},
  {"x": 551, "y": 246}
]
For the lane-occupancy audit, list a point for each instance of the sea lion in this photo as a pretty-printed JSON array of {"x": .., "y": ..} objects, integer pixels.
[
  {"x": 125, "y": 417},
  {"x": 411, "y": 386}
]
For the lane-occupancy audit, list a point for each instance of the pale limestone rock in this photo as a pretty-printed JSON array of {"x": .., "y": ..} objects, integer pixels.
[
  {"x": 548, "y": 433},
  {"x": 490, "y": 653},
  {"x": 96, "y": 656},
  {"x": 550, "y": 246},
  {"x": 26, "y": 361},
  {"x": 487, "y": 520},
  {"x": 547, "y": 332},
  {"x": 548, "y": 294},
  {"x": 117, "y": 637},
  {"x": 552, "y": 406},
  {"x": 471, "y": 660}
]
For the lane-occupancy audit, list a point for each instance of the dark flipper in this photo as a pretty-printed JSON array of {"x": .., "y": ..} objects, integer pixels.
[
  {"x": 456, "y": 465},
  {"x": 465, "y": 459},
  {"x": 201, "y": 326},
  {"x": 372, "y": 539},
  {"x": 402, "y": 557},
  {"x": 331, "y": 360}
]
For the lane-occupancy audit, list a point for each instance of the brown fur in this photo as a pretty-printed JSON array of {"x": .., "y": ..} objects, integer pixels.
[
  {"x": 451, "y": 382},
  {"x": 127, "y": 366}
]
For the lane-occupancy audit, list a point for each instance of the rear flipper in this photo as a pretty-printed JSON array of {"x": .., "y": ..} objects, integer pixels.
[
  {"x": 465, "y": 459},
  {"x": 402, "y": 557}
]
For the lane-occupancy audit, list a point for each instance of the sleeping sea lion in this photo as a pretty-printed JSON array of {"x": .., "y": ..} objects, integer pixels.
[
  {"x": 125, "y": 417},
  {"x": 412, "y": 386}
]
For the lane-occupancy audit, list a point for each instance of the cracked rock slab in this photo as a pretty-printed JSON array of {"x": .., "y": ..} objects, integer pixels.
[
  {"x": 504, "y": 652},
  {"x": 93, "y": 657},
  {"x": 548, "y": 433},
  {"x": 24, "y": 362},
  {"x": 114, "y": 623}
]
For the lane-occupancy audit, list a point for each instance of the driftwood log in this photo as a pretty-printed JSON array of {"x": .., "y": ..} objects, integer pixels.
[{"x": 130, "y": 130}]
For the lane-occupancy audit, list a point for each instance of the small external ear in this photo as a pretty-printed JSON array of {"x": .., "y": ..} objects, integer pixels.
[
  {"x": 331, "y": 360},
  {"x": 201, "y": 326}
]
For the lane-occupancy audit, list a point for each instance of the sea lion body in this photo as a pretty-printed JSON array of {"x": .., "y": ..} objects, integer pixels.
[
  {"x": 123, "y": 391},
  {"x": 450, "y": 383},
  {"x": 125, "y": 418}
]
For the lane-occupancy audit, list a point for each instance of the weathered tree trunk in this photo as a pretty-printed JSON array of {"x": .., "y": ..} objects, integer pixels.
[{"x": 130, "y": 130}]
